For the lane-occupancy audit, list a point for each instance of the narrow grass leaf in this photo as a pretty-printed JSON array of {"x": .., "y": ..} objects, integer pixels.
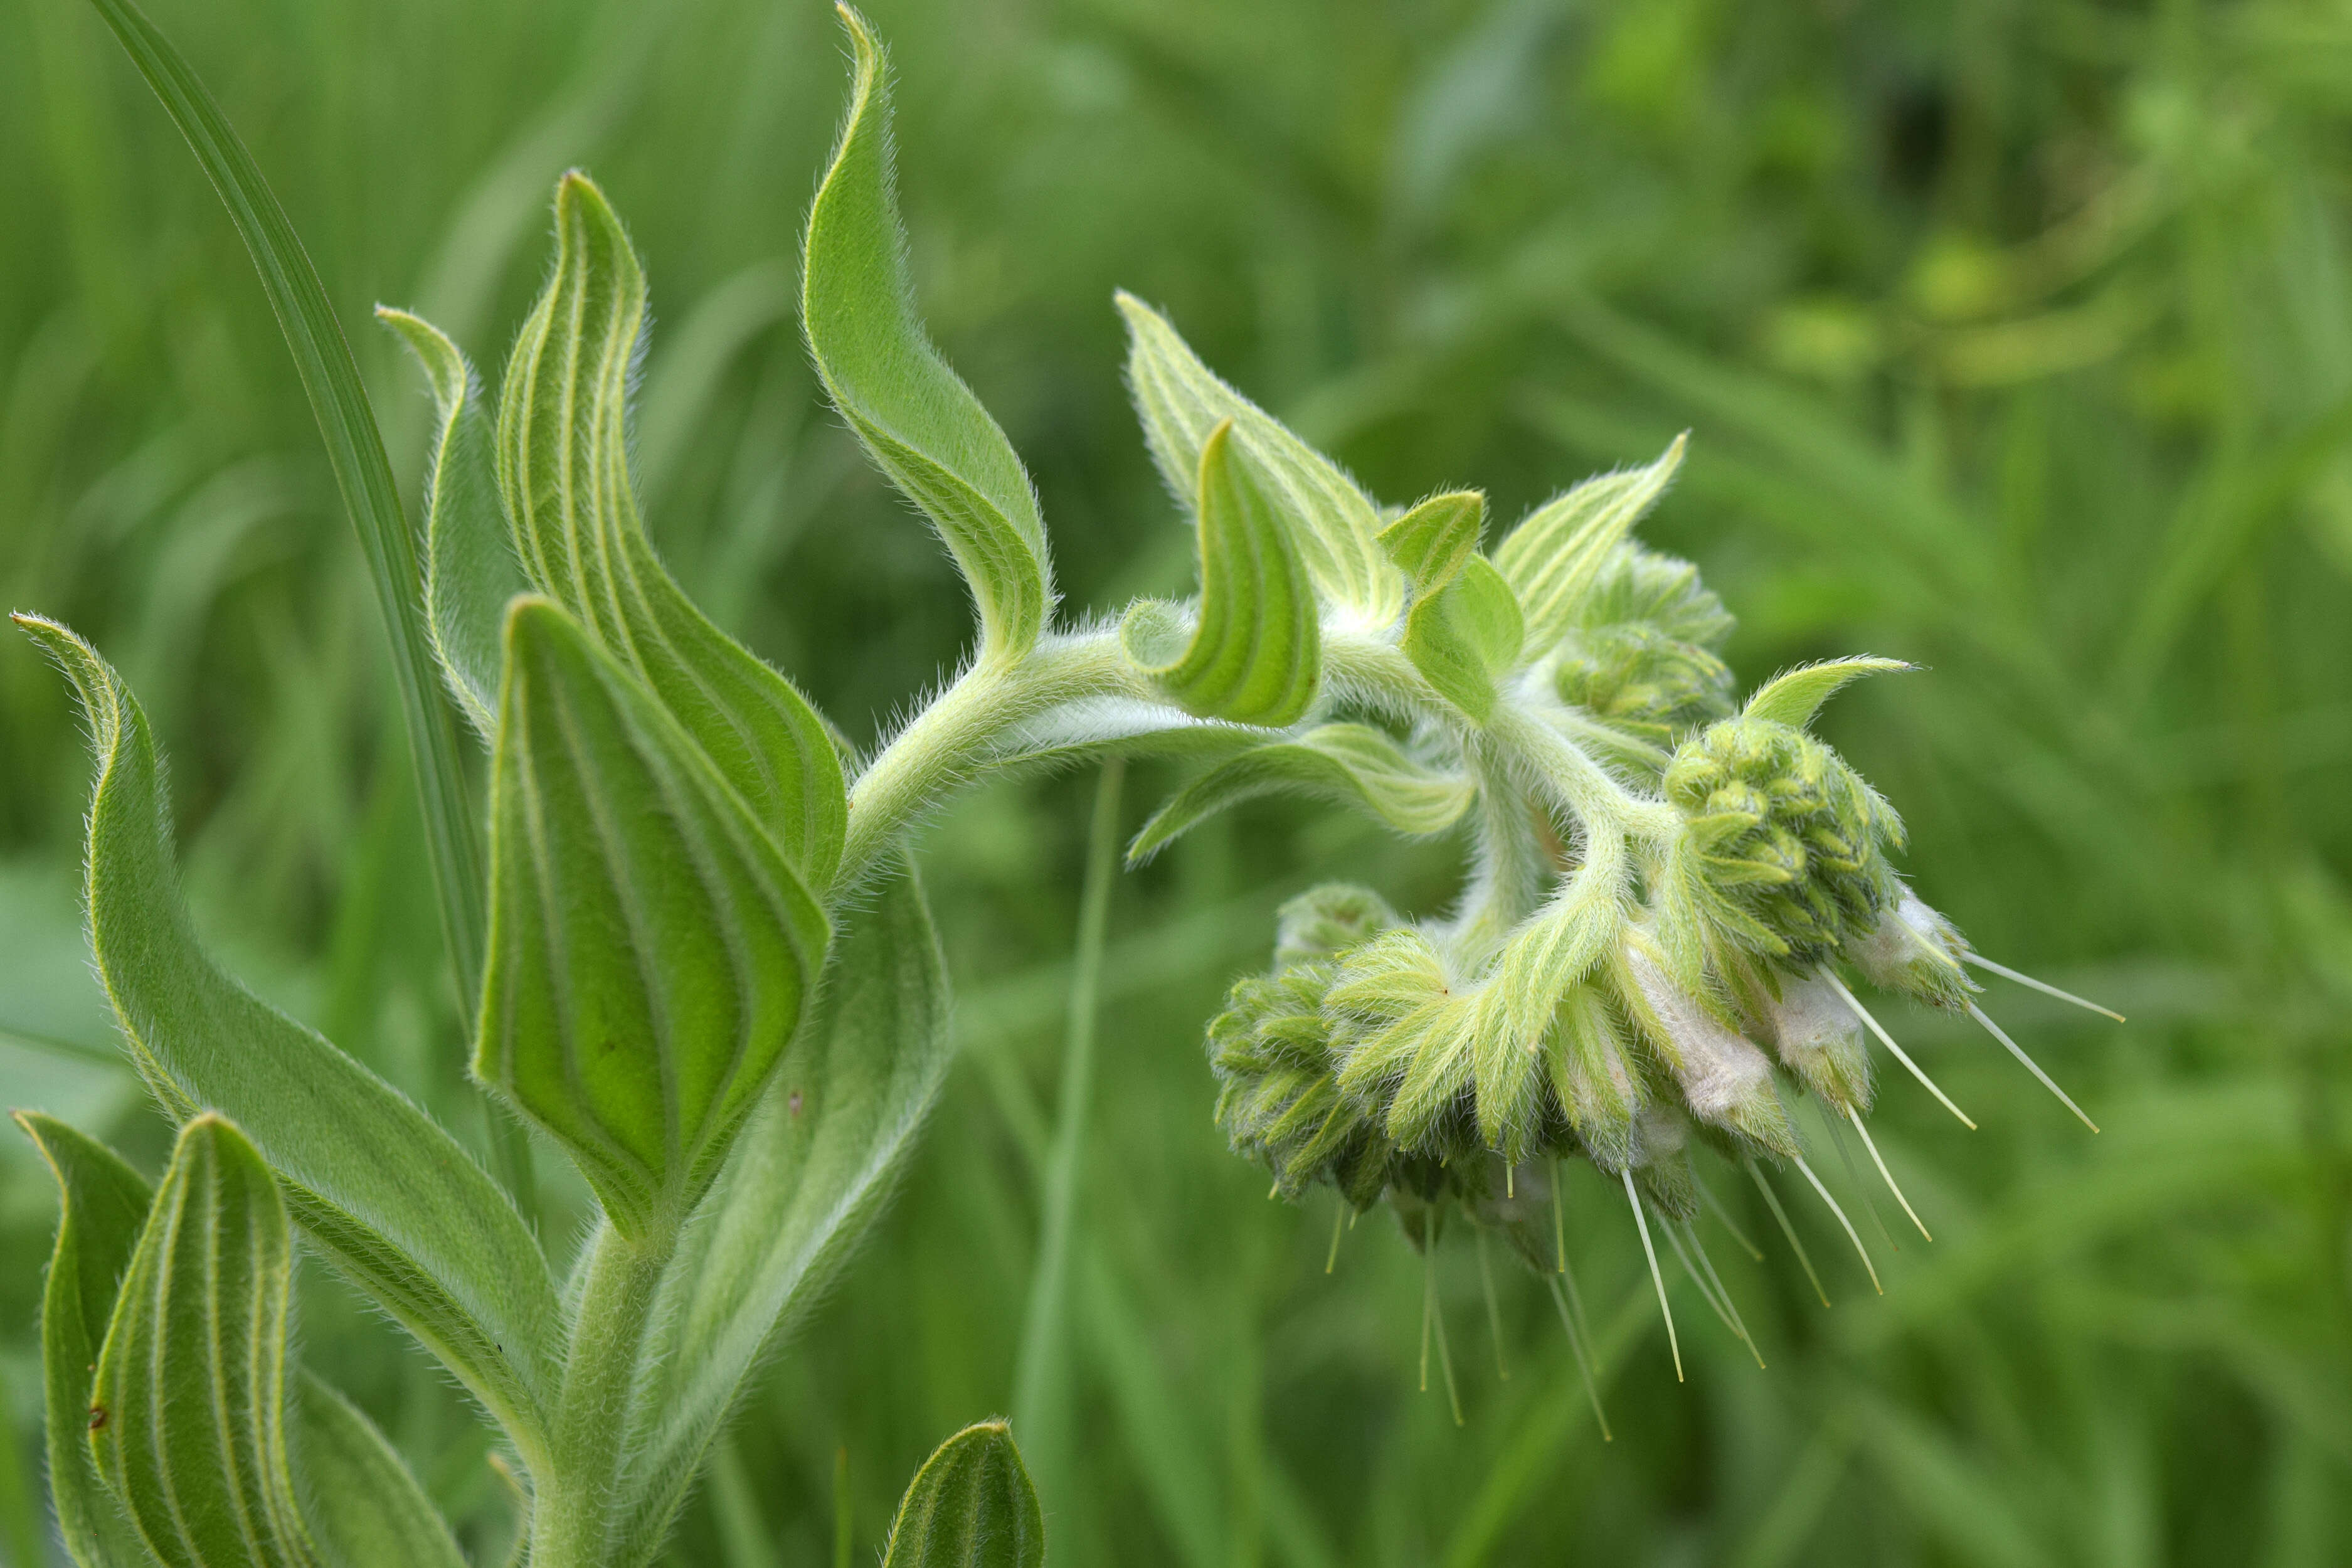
[
  {"x": 388, "y": 1196},
  {"x": 187, "y": 1420},
  {"x": 470, "y": 571},
  {"x": 564, "y": 471},
  {"x": 971, "y": 1506},
  {"x": 920, "y": 424},
  {"x": 1794, "y": 696},
  {"x": 809, "y": 1172},
  {"x": 365, "y": 1508},
  {"x": 1255, "y": 653},
  {"x": 102, "y": 1207},
  {"x": 1181, "y": 403},
  {"x": 652, "y": 950},
  {"x": 1350, "y": 765},
  {"x": 1551, "y": 559}
]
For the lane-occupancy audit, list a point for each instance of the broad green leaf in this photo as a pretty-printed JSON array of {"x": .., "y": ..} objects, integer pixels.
[
  {"x": 470, "y": 571},
  {"x": 1551, "y": 559},
  {"x": 1254, "y": 652},
  {"x": 389, "y": 1196},
  {"x": 1794, "y": 696},
  {"x": 187, "y": 1419},
  {"x": 1464, "y": 630},
  {"x": 364, "y": 1506},
  {"x": 1352, "y": 764},
  {"x": 354, "y": 451},
  {"x": 1181, "y": 403},
  {"x": 920, "y": 424},
  {"x": 651, "y": 948},
  {"x": 810, "y": 1173},
  {"x": 971, "y": 1506},
  {"x": 102, "y": 1206},
  {"x": 563, "y": 472}
]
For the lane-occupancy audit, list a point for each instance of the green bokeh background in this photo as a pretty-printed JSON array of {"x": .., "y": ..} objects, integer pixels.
[{"x": 2015, "y": 339}]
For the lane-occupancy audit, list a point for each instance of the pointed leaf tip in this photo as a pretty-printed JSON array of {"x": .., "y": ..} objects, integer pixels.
[
  {"x": 1552, "y": 559},
  {"x": 1794, "y": 696},
  {"x": 971, "y": 1506}
]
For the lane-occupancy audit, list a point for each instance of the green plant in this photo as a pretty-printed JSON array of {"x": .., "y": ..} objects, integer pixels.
[{"x": 707, "y": 973}]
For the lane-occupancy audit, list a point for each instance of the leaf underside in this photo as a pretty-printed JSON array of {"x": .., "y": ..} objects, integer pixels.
[{"x": 1352, "y": 764}]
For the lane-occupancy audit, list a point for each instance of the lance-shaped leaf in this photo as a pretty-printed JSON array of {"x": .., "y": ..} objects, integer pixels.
[
  {"x": 187, "y": 1419},
  {"x": 651, "y": 948},
  {"x": 811, "y": 1172},
  {"x": 1551, "y": 559},
  {"x": 1181, "y": 403},
  {"x": 971, "y": 1506},
  {"x": 1254, "y": 652},
  {"x": 470, "y": 571},
  {"x": 388, "y": 1196},
  {"x": 1794, "y": 696},
  {"x": 365, "y": 1507},
  {"x": 563, "y": 472},
  {"x": 1352, "y": 764},
  {"x": 1464, "y": 629},
  {"x": 920, "y": 424},
  {"x": 102, "y": 1204}
]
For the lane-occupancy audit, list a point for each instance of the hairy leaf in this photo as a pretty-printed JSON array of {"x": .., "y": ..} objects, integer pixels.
[
  {"x": 187, "y": 1419},
  {"x": 1353, "y": 765},
  {"x": 971, "y": 1506},
  {"x": 1551, "y": 559},
  {"x": 354, "y": 451},
  {"x": 918, "y": 421},
  {"x": 1464, "y": 629},
  {"x": 102, "y": 1206},
  {"x": 1181, "y": 403},
  {"x": 365, "y": 1507},
  {"x": 470, "y": 571},
  {"x": 810, "y": 1173},
  {"x": 564, "y": 471},
  {"x": 651, "y": 948},
  {"x": 1794, "y": 696},
  {"x": 389, "y": 1196},
  {"x": 1255, "y": 653}
]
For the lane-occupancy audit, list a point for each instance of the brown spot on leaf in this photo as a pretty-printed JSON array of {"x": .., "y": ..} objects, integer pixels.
[{"x": 97, "y": 1416}]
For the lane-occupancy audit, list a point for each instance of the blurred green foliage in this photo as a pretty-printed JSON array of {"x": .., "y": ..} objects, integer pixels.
[{"x": 2015, "y": 340}]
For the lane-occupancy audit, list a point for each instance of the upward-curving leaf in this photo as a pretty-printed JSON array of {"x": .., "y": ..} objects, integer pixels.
[
  {"x": 920, "y": 424},
  {"x": 1794, "y": 696},
  {"x": 1253, "y": 654},
  {"x": 187, "y": 1417},
  {"x": 812, "y": 1169},
  {"x": 651, "y": 948},
  {"x": 1181, "y": 403},
  {"x": 365, "y": 1507},
  {"x": 1553, "y": 557},
  {"x": 102, "y": 1206},
  {"x": 1464, "y": 629},
  {"x": 971, "y": 1506},
  {"x": 470, "y": 571},
  {"x": 564, "y": 471},
  {"x": 389, "y": 1196}
]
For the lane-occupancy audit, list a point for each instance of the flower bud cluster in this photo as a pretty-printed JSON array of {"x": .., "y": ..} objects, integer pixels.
[{"x": 1645, "y": 655}]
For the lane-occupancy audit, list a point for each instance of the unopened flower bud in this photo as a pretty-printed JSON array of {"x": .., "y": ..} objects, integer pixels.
[
  {"x": 1725, "y": 1080},
  {"x": 1819, "y": 1040},
  {"x": 1323, "y": 924},
  {"x": 1916, "y": 951}
]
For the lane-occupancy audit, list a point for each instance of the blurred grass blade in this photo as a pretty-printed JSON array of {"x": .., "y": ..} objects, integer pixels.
[
  {"x": 651, "y": 949},
  {"x": 470, "y": 571},
  {"x": 1181, "y": 403},
  {"x": 355, "y": 452},
  {"x": 809, "y": 1173},
  {"x": 1551, "y": 559},
  {"x": 920, "y": 422},
  {"x": 563, "y": 470},
  {"x": 1466, "y": 628},
  {"x": 1794, "y": 696},
  {"x": 365, "y": 1507},
  {"x": 102, "y": 1206},
  {"x": 971, "y": 1506},
  {"x": 187, "y": 1419},
  {"x": 1352, "y": 764},
  {"x": 388, "y": 1196},
  {"x": 1254, "y": 652}
]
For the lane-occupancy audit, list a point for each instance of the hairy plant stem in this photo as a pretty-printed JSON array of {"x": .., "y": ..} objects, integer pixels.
[
  {"x": 945, "y": 744},
  {"x": 575, "y": 1511}
]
